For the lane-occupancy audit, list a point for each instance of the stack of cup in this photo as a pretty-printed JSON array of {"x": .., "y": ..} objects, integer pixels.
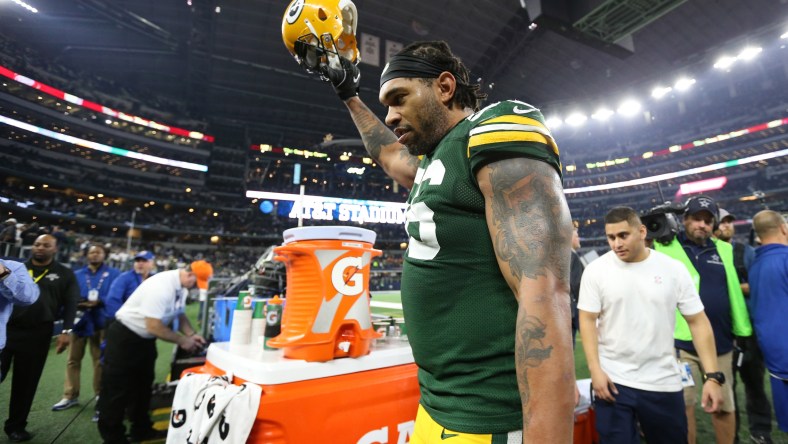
[
  {"x": 258, "y": 323},
  {"x": 241, "y": 331}
]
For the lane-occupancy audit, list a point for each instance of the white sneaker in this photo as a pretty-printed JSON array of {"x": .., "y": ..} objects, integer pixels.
[{"x": 65, "y": 403}]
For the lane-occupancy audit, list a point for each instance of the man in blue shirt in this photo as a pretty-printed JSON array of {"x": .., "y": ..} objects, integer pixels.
[
  {"x": 94, "y": 282},
  {"x": 16, "y": 288},
  {"x": 747, "y": 357},
  {"x": 127, "y": 282},
  {"x": 769, "y": 302}
]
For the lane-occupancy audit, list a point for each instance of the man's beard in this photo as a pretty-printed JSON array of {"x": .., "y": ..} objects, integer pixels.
[
  {"x": 42, "y": 257},
  {"x": 433, "y": 123}
]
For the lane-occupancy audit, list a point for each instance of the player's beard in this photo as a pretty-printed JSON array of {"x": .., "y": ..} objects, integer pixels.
[{"x": 433, "y": 123}]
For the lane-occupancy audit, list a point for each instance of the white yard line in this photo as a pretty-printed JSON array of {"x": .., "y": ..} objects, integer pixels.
[{"x": 381, "y": 304}]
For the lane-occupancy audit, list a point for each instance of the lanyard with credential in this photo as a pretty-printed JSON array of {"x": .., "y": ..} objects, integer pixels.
[
  {"x": 36, "y": 279},
  {"x": 88, "y": 279}
]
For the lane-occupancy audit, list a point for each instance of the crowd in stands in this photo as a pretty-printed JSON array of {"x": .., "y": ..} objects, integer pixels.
[
  {"x": 215, "y": 204},
  {"x": 91, "y": 86}
]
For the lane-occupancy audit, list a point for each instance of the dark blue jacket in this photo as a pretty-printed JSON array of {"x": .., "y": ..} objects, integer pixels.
[
  {"x": 769, "y": 300},
  {"x": 94, "y": 318}
]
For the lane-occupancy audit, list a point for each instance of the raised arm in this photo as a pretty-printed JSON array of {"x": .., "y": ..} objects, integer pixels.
[
  {"x": 531, "y": 232},
  {"x": 17, "y": 286},
  {"x": 379, "y": 141},
  {"x": 382, "y": 145}
]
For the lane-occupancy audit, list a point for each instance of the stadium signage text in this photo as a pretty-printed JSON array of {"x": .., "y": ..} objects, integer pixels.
[{"x": 347, "y": 212}]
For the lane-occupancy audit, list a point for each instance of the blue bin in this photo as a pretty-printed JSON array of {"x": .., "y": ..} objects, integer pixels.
[{"x": 223, "y": 309}]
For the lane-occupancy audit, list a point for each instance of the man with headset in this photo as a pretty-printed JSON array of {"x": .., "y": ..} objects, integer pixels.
[{"x": 710, "y": 263}]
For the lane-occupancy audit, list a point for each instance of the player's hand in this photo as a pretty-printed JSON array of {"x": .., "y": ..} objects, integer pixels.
[
  {"x": 711, "y": 399},
  {"x": 345, "y": 80},
  {"x": 62, "y": 342},
  {"x": 603, "y": 387}
]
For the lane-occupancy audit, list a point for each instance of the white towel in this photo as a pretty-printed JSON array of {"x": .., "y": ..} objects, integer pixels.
[{"x": 206, "y": 407}]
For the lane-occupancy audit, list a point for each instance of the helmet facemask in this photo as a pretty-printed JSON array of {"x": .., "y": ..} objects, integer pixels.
[{"x": 314, "y": 55}]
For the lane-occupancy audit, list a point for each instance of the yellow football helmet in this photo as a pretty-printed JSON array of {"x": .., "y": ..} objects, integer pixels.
[{"x": 316, "y": 32}]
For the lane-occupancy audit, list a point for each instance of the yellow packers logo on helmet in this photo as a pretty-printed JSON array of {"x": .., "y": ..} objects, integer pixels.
[{"x": 317, "y": 31}]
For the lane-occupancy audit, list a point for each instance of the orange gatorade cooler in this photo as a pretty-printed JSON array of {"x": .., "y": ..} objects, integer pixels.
[
  {"x": 327, "y": 311},
  {"x": 371, "y": 399}
]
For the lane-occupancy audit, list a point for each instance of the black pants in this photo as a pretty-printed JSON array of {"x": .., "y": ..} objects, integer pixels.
[
  {"x": 129, "y": 365},
  {"x": 27, "y": 350},
  {"x": 752, "y": 373},
  {"x": 660, "y": 415}
]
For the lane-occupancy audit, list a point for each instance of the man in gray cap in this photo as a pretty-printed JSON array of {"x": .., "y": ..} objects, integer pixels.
[{"x": 747, "y": 357}]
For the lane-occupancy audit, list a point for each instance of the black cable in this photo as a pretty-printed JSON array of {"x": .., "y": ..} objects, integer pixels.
[{"x": 73, "y": 419}]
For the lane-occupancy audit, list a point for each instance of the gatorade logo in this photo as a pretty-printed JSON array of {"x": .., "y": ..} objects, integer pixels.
[
  {"x": 178, "y": 418},
  {"x": 224, "y": 428},
  {"x": 211, "y": 406},
  {"x": 272, "y": 318},
  {"x": 346, "y": 276},
  {"x": 381, "y": 436}
]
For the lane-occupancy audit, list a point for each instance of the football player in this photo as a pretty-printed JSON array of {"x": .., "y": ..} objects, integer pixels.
[{"x": 486, "y": 274}]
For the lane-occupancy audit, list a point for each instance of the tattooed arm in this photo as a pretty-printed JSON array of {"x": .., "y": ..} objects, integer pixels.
[
  {"x": 531, "y": 231},
  {"x": 382, "y": 145}
]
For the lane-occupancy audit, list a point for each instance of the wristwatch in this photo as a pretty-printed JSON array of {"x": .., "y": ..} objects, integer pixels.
[
  {"x": 718, "y": 377},
  {"x": 6, "y": 272}
]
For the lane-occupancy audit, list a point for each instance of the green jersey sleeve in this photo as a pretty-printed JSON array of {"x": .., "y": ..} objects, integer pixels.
[{"x": 510, "y": 129}]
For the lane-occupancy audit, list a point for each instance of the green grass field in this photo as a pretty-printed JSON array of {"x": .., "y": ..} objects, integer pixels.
[{"x": 74, "y": 425}]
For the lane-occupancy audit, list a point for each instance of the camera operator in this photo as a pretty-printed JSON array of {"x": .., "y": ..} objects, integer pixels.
[{"x": 710, "y": 263}]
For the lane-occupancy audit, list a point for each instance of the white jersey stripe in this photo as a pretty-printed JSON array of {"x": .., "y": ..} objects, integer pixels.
[{"x": 509, "y": 127}]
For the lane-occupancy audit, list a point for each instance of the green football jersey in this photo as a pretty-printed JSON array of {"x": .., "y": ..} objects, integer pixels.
[{"x": 459, "y": 309}]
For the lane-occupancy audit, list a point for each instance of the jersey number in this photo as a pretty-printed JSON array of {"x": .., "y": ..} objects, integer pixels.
[{"x": 426, "y": 247}]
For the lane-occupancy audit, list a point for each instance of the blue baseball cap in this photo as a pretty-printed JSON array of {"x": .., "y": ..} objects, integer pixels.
[
  {"x": 144, "y": 255},
  {"x": 702, "y": 203}
]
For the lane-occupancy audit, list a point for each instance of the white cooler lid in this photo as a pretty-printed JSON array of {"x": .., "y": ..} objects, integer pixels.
[
  {"x": 329, "y": 233},
  {"x": 270, "y": 367}
]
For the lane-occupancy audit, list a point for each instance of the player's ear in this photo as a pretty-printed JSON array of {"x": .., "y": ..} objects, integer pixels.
[{"x": 447, "y": 85}]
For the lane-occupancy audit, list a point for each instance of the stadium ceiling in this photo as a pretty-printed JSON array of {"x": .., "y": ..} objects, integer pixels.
[{"x": 225, "y": 58}]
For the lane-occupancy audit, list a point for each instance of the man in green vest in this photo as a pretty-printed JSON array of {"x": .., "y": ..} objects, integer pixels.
[{"x": 710, "y": 263}]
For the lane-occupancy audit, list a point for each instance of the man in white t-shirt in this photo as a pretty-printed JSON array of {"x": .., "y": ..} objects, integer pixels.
[
  {"x": 628, "y": 301},
  {"x": 130, "y": 353}
]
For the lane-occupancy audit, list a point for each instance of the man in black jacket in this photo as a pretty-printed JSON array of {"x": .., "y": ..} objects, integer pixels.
[{"x": 30, "y": 331}]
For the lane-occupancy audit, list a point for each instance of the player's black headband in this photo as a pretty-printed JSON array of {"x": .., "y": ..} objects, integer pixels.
[{"x": 412, "y": 67}]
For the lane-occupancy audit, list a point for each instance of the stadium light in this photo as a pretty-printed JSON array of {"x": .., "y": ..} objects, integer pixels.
[
  {"x": 725, "y": 62},
  {"x": 553, "y": 122},
  {"x": 629, "y": 108},
  {"x": 683, "y": 84},
  {"x": 749, "y": 52},
  {"x": 784, "y": 36},
  {"x": 660, "y": 91},
  {"x": 576, "y": 119},
  {"x": 26, "y": 6},
  {"x": 602, "y": 114}
]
